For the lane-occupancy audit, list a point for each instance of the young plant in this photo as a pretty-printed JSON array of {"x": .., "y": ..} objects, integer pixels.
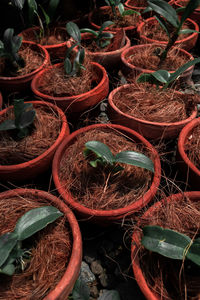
[
  {"x": 169, "y": 20},
  {"x": 163, "y": 77},
  {"x": 118, "y": 4},
  {"x": 23, "y": 117},
  {"x": 103, "y": 156},
  {"x": 11, "y": 253},
  {"x": 9, "y": 48},
  {"x": 171, "y": 243}
]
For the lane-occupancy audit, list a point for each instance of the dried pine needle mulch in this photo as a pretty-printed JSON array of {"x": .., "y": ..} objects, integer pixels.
[
  {"x": 47, "y": 126},
  {"x": 192, "y": 146},
  {"x": 51, "y": 250},
  {"x": 167, "y": 277},
  {"x": 139, "y": 3},
  {"x": 98, "y": 188},
  {"x": 145, "y": 102}
]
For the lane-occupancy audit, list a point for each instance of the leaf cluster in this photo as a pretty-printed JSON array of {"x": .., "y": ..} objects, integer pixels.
[
  {"x": 23, "y": 117},
  {"x": 34, "y": 220},
  {"x": 118, "y": 4},
  {"x": 171, "y": 244}
]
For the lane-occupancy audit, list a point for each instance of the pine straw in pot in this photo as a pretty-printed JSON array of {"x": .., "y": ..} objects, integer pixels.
[
  {"x": 143, "y": 101},
  {"x": 50, "y": 252},
  {"x": 172, "y": 279},
  {"x": 99, "y": 188},
  {"x": 45, "y": 130},
  {"x": 192, "y": 146},
  {"x": 148, "y": 58}
]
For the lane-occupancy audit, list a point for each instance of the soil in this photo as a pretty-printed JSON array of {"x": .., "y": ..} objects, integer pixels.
[
  {"x": 148, "y": 58},
  {"x": 43, "y": 134},
  {"x": 87, "y": 184},
  {"x": 192, "y": 146},
  {"x": 50, "y": 252},
  {"x": 145, "y": 102},
  {"x": 167, "y": 277}
]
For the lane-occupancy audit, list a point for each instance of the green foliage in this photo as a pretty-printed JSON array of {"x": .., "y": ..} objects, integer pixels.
[
  {"x": 118, "y": 4},
  {"x": 103, "y": 156},
  {"x": 24, "y": 117},
  {"x": 31, "y": 222},
  {"x": 171, "y": 243},
  {"x": 102, "y": 39},
  {"x": 169, "y": 20},
  {"x": 164, "y": 77}
]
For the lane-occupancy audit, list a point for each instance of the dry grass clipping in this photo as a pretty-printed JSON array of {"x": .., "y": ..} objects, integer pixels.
[
  {"x": 51, "y": 249},
  {"x": 98, "y": 188},
  {"x": 47, "y": 128},
  {"x": 192, "y": 146}
]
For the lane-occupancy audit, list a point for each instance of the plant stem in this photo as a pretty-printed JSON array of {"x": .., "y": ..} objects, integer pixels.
[{"x": 168, "y": 47}]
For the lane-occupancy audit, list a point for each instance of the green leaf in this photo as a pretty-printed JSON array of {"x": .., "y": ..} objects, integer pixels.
[
  {"x": 32, "y": 9},
  {"x": 18, "y": 3},
  {"x": 129, "y": 12},
  {"x": 26, "y": 119},
  {"x": 101, "y": 150},
  {"x": 19, "y": 108},
  {"x": 190, "y": 7},
  {"x": 8, "y": 269},
  {"x": 51, "y": 9},
  {"x": 105, "y": 25},
  {"x": 46, "y": 17},
  {"x": 161, "y": 75},
  {"x": 7, "y": 125},
  {"x": 121, "y": 8},
  {"x": 166, "y": 242},
  {"x": 73, "y": 31},
  {"x": 67, "y": 65},
  {"x": 163, "y": 24},
  {"x": 109, "y": 295},
  {"x": 88, "y": 30},
  {"x": 35, "y": 220},
  {"x": 104, "y": 44},
  {"x": 135, "y": 159},
  {"x": 7, "y": 243},
  {"x": 146, "y": 77},
  {"x": 165, "y": 10},
  {"x": 107, "y": 35},
  {"x": 194, "y": 252},
  {"x": 81, "y": 290},
  {"x": 186, "y": 31},
  {"x": 81, "y": 56}
]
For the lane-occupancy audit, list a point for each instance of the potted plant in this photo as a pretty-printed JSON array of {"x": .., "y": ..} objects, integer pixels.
[
  {"x": 46, "y": 263},
  {"x": 188, "y": 153},
  {"x": 166, "y": 241},
  {"x": 1, "y": 100},
  {"x": 120, "y": 15},
  {"x": 155, "y": 111},
  {"x": 110, "y": 182},
  {"x": 140, "y": 5},
  {"x": 74, "y": 85},
  {"x": 19, "y": 61},
  {"x": 29, "y": 133}
]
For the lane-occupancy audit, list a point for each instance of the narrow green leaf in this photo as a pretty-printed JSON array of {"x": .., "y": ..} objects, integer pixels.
[
  {"x": 52, "y": 7},
  {"x": 67, "y": 65},
  {"x": 166, "y": 242},
  {"x": 35, "y": 220},
  {"x": 194, "y": 252},
  {"x": 7, "y": 125},
  {"x": 146, "y": 77},
  {"x": 136, "y": 159},
  {"x": 7, "y": 243},
  {"x": 186, "y": 31},
  {"x": 26, "y": 119},
  {"x": 107, "y": 35},
  {"x": 81, "y": 56},
  {"x": 163, "y": 24},
  {"x": 32, "y": 9},
  {"x": 190, "y": 7},
  {"x": 88, "y": 30},
  {"x": 121, "y": 8},
  {"x": 46, "y": 17},
  {"x": 73, "y": 31},
  {"x": 161, "y": 75},
  {"x": 104, "y": 44},
  {"x": 129, "y": 12},
  {"x": 8, "y": 269},
  {"x": 105, "y": 25},
  {"x": 101, "y": 150}
]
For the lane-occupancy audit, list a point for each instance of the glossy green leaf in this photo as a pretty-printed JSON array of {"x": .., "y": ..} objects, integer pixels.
[
  {"x": 136, "y": 159},
  {"x": 8, "y": 269},
  {"x": 52, "y": 7},
  {"x": 166, "y": 242},
  {"x": 88, "y": 30},
  {"x": 163, "y": 24},
  {"x": 146, "y": 77},
  {"x": 107, "y": 35},
  {"x": 129, "y": 12},
  {"x": 32, "y": 9},
  {"x": 46, "y": 16},
  {"x": 101, "y": 150},
  {"x": 161, "y": 75},
  {"x": 7, "y": 243},
  {"x": 7, "y": 125},
  {"x": 35, "y": 220},
  {"x": 121, "y": 8},
  {"x": 165, "y": 10},
  {"x": 26, "y": 119},
  {"x": 193, "y": 252},
  {"x": 104, "y": 44},
  {"x": 190, "y": 7},
  {"x": 105, "y": 25},
  {"x": 73, "y": 31},
  {"x": 186, "y": 31},
  {"x": 67, "y": 65},
  {"x": 81, "y": 56}
]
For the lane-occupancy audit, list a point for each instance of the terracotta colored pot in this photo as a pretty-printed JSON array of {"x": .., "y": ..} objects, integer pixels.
[
  {"x": 76, "y": 103},
  {"x": 110, "y": 59},
  {"x": 105, "y": 216},
  {"x": 131, "y": 71},
  {"x": 195, "y": 14},
  {"x": 1, "y": 100},
  {"x": 56, "y": 51},
  {"x": 185, "y": 43},
  {"x": 130, "y": 30},
  {"x": 13, "y": 84},
  {"x": 38, "y": 165},
  {"x": 135, "y": 246},
  {"x": 131, "y": 5},
  {"x": 187, "y": 169},
  {"x": 66, "y": 283},
  {"x": 150, "y": 130}
]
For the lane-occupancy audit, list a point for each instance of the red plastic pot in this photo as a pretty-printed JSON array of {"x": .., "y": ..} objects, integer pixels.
[
  {"x": 130, "y": 30},
  {"x": 150, "y": 130},
  {"x": 136, "y": 245},
  {"x": 106, "y": 216},
  {"x": 66, "y": 283},
  {"x": 132, "y": 4},
  {"x": 186, "y": 43},
  {"x": 195, "y": 14},
  {"x": 187, "y": 169},
  {"x": 13, "y": 84},
  {"x": 131, "y": 71},
  {"x": 76, "y": 103},
  {"x": 56, "y": 51},
  {"x": 110, "y": 59},
  {"x": 38, "y": 165}
]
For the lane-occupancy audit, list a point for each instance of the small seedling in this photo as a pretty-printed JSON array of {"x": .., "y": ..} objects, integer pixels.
[
  {"x": 23, "y": 117},
  {"x": 171, "y": 244},
  {"x": 118, "y": 4},
  {"x": 104, "y": 157},
  {"x": 12, "y": 255}
]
